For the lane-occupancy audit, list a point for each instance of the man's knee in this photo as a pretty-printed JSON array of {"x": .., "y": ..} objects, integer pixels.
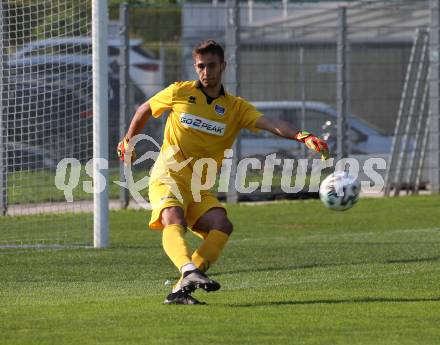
[
  {"x": 173, "y": 215},
  {"x": 224, "y": 225},
  {"x": 215, "y": 219}
]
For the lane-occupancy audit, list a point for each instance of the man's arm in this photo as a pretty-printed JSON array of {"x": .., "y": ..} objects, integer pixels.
[
  {"x": 140, "y": 118},
  {"x": 125, "y": 149},
  {"x": 278, "y": 127},
  {"x": 285, "y": 129}
]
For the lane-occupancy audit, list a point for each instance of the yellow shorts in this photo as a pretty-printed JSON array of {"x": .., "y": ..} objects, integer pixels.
[{"x": 162, "y": 194}]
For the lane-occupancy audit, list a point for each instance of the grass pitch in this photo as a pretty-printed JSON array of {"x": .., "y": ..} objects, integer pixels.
[{"x": 292, "y": 273}]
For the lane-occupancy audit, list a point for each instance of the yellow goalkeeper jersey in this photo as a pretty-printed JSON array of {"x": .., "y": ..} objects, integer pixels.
[{"x": 200, "y": 126}]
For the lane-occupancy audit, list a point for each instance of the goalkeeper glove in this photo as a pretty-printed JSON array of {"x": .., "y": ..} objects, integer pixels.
[
  {"x": 313, "y": 143},
  {"x": 126, "y": 152}
]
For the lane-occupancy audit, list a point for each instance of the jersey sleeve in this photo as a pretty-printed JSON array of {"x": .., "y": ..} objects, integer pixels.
[
  {"x": 162, "y": 101},
  {"x": 249, "y": 116}
]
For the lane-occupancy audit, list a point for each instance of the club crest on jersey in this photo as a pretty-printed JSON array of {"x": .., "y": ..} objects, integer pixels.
[
  {"x": 219, "y": 110},
  {"x": 202, "y": 124},
  {"x": 192, "y": 100}
]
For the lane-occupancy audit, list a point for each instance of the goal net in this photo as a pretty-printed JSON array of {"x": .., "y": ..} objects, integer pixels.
[{"x": 46, "y": 116}]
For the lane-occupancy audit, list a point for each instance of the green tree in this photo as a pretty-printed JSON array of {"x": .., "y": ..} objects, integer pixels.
[{"x": 29, "y": 20}]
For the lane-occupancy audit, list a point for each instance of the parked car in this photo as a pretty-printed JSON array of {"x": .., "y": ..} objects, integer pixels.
[
  {"x": 320, "y": 119},
  {"x": 49, "y": 101},
  {"x": 144, "y": 71},
  {"x": 22, "y": 157},
  {"x": 37, "y": 108}
]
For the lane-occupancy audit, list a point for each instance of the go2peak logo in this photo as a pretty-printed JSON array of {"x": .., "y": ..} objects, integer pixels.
[{"x": 68, "y": 173}]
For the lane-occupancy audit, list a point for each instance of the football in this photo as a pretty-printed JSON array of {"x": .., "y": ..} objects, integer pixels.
[{"x": 339, "y": 191}]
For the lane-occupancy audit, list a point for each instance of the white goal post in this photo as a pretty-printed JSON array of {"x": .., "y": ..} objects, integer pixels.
[{"x": 100, "y": 123}]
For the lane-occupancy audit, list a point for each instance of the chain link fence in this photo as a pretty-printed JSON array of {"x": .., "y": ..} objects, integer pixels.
[
  {"x": 357, "y": 75},
  {"x": 311, "y": 64},
  {"x": 362, "y": 75}
]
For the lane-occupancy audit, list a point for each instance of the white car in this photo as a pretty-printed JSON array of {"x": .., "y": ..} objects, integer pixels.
[
  {"x": 144, "y": 71},
  {"x": 319, "y": 119}
]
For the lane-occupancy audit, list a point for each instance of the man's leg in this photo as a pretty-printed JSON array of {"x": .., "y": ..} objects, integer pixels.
[
  {"x": 173, "y": 241},
  {"x": 214, "y": 227},
  {"x": 218, "y": 227},
  {"x": 168, "y": 215},
  {"x": 175, "y": 246}
]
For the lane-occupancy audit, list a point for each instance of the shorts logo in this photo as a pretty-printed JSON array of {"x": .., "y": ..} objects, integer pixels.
[
  {"x": 203, "y": 125},
  {"x": 219, "y": 110},
  {"x": 164, "y": 198}
]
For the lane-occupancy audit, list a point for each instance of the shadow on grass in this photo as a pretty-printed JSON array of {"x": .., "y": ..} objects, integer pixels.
[
  {"x": 336, "y": 301},
  {"x": 319, "y": 265},
  {"x": 404, "y": 261}
]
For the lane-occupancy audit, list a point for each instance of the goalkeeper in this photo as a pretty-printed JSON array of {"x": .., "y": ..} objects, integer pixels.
[{"x": 203, "y": 122}]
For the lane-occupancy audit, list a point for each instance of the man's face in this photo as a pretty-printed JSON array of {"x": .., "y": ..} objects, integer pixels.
[{"x": 209, "y": 69}]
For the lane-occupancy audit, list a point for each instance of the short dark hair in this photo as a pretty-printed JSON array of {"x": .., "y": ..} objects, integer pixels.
[{"x": 209, "y": 46}]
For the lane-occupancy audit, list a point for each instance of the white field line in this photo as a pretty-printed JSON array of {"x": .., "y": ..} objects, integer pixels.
[
  {"x": 62, "y": 207},
  {"x": 42, "y": 246},
  {"x": 87, "y": 206}
]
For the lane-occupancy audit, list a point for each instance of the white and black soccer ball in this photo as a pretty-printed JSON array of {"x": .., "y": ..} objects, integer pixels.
[{"x": 339, "y": 191}]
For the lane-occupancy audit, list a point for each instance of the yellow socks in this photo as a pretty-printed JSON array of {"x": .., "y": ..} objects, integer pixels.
[
  {"x": 207, "y": 253},
  {"x": 209, "y": 250},
  {"x": 175, "y": 246}
]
